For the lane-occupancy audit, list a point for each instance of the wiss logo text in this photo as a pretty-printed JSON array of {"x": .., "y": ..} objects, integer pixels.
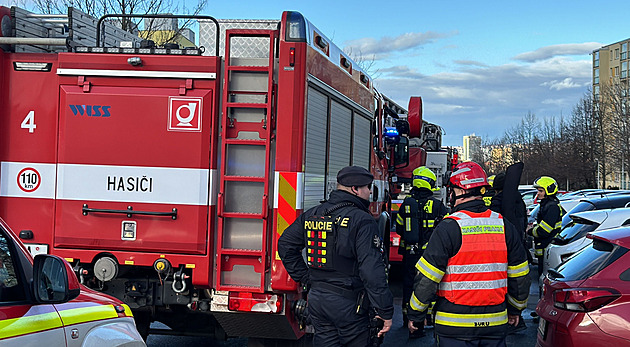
[{"x": 90, "y": 110}]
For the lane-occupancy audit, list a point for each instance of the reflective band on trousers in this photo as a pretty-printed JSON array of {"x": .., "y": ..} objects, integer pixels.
[{"x": 471, "y": 320}]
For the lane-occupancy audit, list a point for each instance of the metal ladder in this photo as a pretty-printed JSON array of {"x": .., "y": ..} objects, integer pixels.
[{"x": 243, "y": 205}]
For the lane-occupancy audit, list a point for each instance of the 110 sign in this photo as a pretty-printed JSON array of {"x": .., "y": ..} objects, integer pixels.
[{"x": 28, "y": 179}]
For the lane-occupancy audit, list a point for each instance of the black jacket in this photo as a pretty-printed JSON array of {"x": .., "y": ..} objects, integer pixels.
[
  {"x": 358, "y": 246},
  {"x": 514, "y": 211},
  {"x": 414, "y": 203},
  {"x": 443, "y": 245},
  {"x": 549, "y": 221}
]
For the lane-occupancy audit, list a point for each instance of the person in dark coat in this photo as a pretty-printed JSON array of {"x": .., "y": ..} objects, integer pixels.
[{"x": 344, "y": 266}]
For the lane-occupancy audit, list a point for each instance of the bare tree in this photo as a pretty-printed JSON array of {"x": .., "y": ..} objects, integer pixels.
[
  {"x": 98, "y": 8},
  {"x": 367, "y": 63}
]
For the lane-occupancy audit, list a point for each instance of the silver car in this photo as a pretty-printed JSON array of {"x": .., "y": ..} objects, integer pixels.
[{"x": 572, "y": 238}]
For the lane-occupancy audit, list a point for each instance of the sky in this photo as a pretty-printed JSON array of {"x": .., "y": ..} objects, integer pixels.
[{"x": 479, "y": 66}]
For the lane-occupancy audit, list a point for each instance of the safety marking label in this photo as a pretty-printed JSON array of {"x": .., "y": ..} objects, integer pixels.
[
  {"x": 184, "y": 114},
  {"x": 28, "y": 179}
]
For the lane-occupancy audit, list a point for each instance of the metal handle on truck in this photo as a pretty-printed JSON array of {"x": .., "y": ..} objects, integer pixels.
[{"x": 129, "y": 212}]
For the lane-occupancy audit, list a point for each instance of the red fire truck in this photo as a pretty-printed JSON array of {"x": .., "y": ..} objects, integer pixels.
[{"x": 165, "y": 175}]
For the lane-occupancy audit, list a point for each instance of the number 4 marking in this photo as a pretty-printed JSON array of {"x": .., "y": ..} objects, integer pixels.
[{"x": 29, "y": 122}]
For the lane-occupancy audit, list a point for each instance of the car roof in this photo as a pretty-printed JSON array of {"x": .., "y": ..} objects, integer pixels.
[
  {"x": 618, "y": 236},
  {"x": 609, "y": 200}
]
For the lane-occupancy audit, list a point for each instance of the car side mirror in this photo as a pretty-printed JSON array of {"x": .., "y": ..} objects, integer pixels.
[{"x": 54, "y": 282}]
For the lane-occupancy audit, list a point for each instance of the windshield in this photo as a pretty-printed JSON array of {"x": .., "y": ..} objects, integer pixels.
[
  {"x": 573, "y": 231},
  {"x": 589, "y": 261},
  {"x": 580, "y": 207}
]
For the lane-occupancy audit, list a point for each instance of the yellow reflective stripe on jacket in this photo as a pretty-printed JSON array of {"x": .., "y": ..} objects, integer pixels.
[
  {"x": 538, "y": 252},
  {"x": 30, "y": 323},
  {"x": 519, "y": 304},
  {"x": 399, "y": 219},
  {"x": 471, "y": 320},
  {"x": 128, "y": 312},
  {"x": 430, "y": 271},
  {"x": 416, "y": 304},
  {"x": 87, "y": 314},
  {"x": 429, "y": 223},
  {"x": 519, "y": 270}
]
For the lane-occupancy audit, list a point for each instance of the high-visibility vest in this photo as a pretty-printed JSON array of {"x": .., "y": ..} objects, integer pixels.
[{"x": 477, "y": 274}]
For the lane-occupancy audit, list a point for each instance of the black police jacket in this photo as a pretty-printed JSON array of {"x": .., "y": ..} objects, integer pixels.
[
  {"x": 368, "y": 269},
  {"x": 445, "y": 244}
]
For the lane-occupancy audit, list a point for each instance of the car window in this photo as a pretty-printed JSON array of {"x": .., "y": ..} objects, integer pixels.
[
  {"x": 574, "y": 231},
  {"x": 11, "y": 288},
  {"x": 588, "y": 261},
  {"x": 529, "y": 195},
  {"x": 580, "y": 207}
]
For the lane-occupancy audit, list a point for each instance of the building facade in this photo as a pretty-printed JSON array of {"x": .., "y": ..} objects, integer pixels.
[{"x": 471, "y": 148}]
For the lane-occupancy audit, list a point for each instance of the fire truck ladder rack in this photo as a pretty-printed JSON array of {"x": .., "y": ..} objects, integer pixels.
[
  {"x": 243, "y": 204},
  {"x": 41, "y": 33}
]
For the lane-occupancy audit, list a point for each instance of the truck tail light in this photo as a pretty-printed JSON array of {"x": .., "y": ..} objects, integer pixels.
[
  {"x": 584, "y": 299},
  {"x": 254, "y": 302},
  {"x": 292, "y": 56}
]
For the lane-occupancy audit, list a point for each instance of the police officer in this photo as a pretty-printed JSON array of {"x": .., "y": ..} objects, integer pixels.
[
  {"x": 477, "y": 266},
  {"x": 549, "y": 217},
  {"x": 345, "y": 268},
  {"x": 416, "y": 219}
]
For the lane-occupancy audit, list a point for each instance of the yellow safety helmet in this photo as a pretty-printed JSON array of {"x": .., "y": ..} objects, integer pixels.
[
  {"x": 423, "y": 177},
  {"x": 491, "y": 180},
  {"x": 548, "y": 184}
]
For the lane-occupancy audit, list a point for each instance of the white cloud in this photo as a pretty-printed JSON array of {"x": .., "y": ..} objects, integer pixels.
[
  {"x": 383, "y": 47},
  {"x": 564, "y": 84},
  {"x": 489, "y": 100},
  {"x": 558, "y": 50}
]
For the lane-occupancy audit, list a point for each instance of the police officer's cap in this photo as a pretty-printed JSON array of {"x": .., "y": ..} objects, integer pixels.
[{"x": 354, "y": 176}]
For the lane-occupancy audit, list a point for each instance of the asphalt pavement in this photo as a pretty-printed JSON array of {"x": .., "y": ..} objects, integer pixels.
[{"x": 398, "y": 335}]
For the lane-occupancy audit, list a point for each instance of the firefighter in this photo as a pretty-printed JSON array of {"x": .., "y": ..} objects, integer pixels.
[
  {"x": 475, "y": 265},
  {"x": 549, "y": 219},
  {"x": 416, "y": 219},
  {"x": 344, "y": 265},
  {"x": 490, "y": 192}
]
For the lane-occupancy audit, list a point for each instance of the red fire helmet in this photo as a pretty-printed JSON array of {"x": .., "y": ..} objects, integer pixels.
[{"x": 468, "y": 175}]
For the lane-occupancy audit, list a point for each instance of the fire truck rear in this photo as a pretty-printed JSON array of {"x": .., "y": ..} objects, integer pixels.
[{"x": 165, "y": 174}]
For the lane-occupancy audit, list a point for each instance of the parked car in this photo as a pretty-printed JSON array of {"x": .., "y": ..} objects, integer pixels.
[
  {"x": 569, "y": 201},
  {"x": 572, "y": 238},
  {"x": 43, "y": 303},
  {"x": 529, "y": 196},
  {"x": 586, "y": 300},
  {"x": 611, "y": 200}
]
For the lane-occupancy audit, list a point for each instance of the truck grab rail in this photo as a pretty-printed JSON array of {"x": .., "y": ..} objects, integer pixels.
[
  {"x": 183, "y": 16},
  {"x": 129, "y": 212}
]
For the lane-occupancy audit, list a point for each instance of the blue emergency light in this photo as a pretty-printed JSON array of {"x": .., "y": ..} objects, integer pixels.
[{"x": 391, "y": 135}]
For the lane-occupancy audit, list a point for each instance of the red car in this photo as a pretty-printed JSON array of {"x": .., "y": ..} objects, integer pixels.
[{"x": 586, "y": 300}]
